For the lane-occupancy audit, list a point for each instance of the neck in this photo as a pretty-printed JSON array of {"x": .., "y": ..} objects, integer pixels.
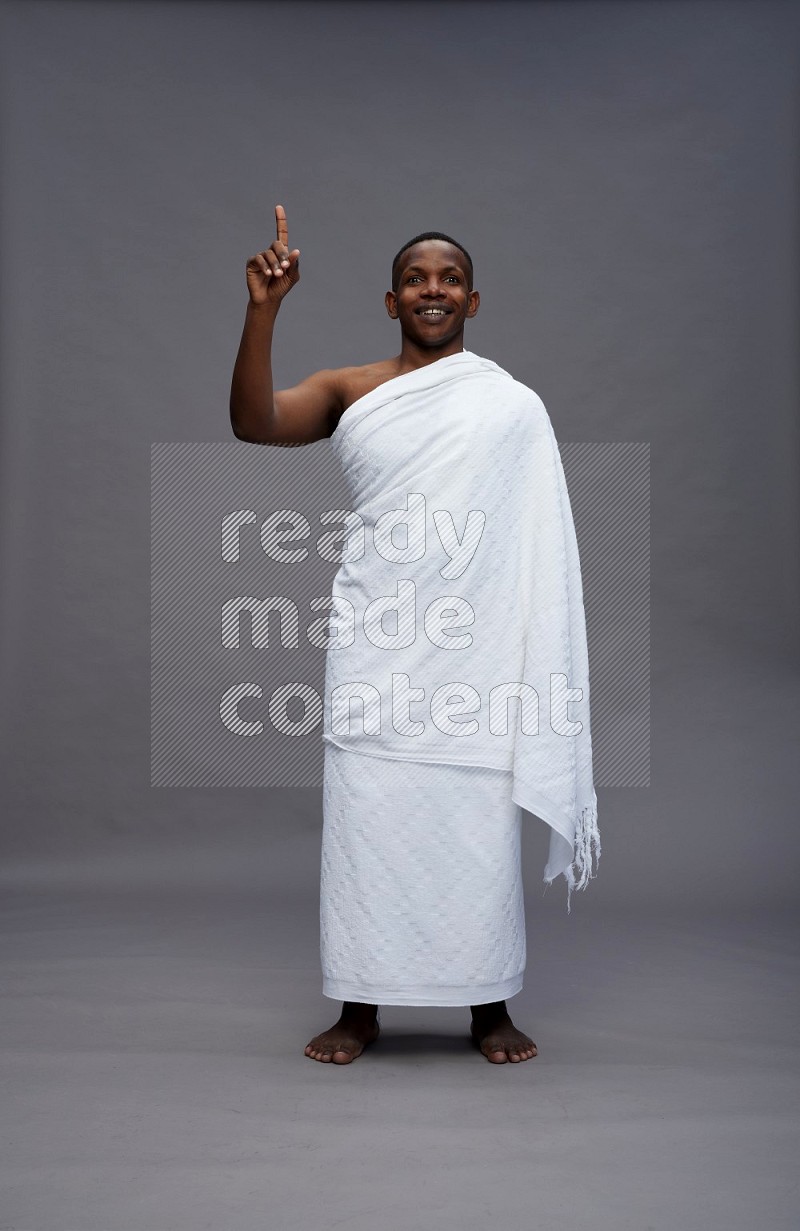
[{"x": 413, "y": 356}]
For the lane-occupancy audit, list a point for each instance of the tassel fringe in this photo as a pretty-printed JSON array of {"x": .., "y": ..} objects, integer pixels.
[{"x": 587, "y": 844}]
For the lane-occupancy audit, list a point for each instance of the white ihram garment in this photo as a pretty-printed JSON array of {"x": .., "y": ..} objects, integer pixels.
[
  {"x": 460, "y": 588},
  {"x": 421, "y": 897}
]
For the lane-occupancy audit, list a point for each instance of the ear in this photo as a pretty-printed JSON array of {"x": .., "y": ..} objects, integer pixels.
[
  {"x": 391, "y": 304},
  {"x": 474, "y": 303}
]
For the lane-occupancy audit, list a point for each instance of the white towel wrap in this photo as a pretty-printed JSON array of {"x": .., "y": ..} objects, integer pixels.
[{"x": 460, "y": 526}]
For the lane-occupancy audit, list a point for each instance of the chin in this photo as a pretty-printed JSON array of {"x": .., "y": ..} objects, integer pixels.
[{"x": 425, "y": 339}]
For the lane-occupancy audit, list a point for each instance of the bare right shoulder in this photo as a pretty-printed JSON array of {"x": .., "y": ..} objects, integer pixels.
[
  {"x": 311, "y": 410},
  {"x": 308, "y": 411}
]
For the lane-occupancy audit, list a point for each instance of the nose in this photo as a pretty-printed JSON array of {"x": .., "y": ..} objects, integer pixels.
[{"x": 432, "y": 289}]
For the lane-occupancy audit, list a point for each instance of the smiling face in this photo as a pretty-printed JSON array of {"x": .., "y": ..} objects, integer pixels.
[{"x": 433, "y": 299}]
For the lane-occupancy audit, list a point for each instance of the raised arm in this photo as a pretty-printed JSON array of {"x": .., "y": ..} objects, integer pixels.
[{"x": 259, "y": 415}]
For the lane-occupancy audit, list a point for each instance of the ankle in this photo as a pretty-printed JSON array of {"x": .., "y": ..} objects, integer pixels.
[
  {"x": 356, "y": 1011},
  {"x": 496, "y": 1011}
]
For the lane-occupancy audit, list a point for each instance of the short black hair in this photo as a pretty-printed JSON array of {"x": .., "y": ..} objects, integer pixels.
[{"x": 431, "y": 235}]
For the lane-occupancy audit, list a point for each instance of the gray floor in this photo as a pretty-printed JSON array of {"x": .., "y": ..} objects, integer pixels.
[{"x": 154, "y": 1076}]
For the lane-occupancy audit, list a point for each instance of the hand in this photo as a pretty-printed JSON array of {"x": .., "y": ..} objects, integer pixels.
[{"x": 271, "y": 274}]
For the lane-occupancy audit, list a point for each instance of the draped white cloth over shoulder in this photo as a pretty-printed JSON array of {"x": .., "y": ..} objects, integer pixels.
[{"x": 458, "y": 632}]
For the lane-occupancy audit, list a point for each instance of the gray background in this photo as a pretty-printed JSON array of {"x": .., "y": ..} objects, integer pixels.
[{"x": 625, "y": 177}]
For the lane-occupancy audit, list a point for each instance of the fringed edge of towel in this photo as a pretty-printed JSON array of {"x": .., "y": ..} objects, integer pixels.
[{"x": 587, "y": 845}]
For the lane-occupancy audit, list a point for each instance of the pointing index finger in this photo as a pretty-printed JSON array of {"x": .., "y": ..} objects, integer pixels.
[{"x": 280, "y": 221}]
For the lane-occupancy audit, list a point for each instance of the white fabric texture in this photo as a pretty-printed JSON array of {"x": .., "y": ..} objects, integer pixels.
[
  {"x": 460, "y": 585},
  {"x": 421, "y": 897}
]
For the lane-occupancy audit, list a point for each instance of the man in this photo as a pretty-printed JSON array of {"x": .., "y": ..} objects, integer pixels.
[{"x": 421, "y": 884}]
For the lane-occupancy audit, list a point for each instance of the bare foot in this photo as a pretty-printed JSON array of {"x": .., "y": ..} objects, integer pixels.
[
  {"x": 347, "y": 1038},
  {"x": 498, "y": 1038}
]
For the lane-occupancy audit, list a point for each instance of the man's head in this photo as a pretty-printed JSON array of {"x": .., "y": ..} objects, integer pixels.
[
  {"x": 432, "y": 293},
  {"x": 400, "y": 260}
]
